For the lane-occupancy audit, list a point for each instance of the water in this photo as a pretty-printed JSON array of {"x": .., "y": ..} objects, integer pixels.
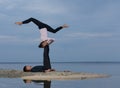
[{"x": 104, "y": 68}]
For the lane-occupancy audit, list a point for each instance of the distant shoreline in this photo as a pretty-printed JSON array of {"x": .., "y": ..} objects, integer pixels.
[{"x": 60, "y": 62}]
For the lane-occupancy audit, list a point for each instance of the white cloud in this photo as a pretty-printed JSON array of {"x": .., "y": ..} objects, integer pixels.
[
  {"x": 7, "y": 4},
  {"x": 45, "y": 7},
  {"x": 106, "y": 14},
  {"x": 4, "y": 38},
  {"x": 7, "y": 39},
  {"x": 2, "y": 15},
  {"x": 89, "y": 35},
  {"x": 39, "y": 6}
]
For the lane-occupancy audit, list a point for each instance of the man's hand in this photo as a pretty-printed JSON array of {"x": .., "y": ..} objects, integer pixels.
[{"x": 18, "y": 23}]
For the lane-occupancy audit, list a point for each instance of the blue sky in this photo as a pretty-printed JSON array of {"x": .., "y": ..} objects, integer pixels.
[{"x": 93, "y": 33}]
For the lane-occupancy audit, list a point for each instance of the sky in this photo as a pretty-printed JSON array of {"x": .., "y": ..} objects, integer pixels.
[{"x": 93, "y": 33}]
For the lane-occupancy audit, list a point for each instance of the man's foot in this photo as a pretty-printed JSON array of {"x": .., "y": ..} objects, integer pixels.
[
  {"x": 67, "y": 71},
  {"x": 65, "y": 26},
  {"x": 50, "y": 41},
  {"x": 18, "y": 23}
]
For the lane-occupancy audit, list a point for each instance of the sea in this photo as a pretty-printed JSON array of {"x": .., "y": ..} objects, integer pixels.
[{"x": 109, "y": 68}]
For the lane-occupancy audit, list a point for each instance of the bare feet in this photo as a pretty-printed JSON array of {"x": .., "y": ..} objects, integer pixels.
[
  {"x": 65, "y": 26},
  {"x": 18, "y": 23},
  {"x": 67, "y": 71},
  {"x": 50, "y": 41}
]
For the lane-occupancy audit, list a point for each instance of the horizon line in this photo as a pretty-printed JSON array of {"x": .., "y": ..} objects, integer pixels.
[{"x": 61, "y": 62}]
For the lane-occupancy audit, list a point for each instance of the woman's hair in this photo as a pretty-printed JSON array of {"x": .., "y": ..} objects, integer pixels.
[
  {"x": 24, "y": 69},
  {"x": 40, "y": 46}
]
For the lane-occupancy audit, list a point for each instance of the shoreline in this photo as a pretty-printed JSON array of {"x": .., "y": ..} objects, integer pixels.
[{"x": 56, "y": 75}]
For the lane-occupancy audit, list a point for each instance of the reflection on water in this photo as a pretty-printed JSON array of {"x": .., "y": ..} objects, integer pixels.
[
  {"x": 46, "y": 83},
  {"x": 104, "y": 68}
]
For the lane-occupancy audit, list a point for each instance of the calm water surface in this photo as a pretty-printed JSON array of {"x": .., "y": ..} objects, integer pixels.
[{"x": 104, "y": 68}]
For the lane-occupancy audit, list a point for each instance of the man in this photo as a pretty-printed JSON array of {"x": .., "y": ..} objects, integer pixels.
[
  {"x": 43, "y": 29},
  {"x": 46, "y": 63}
]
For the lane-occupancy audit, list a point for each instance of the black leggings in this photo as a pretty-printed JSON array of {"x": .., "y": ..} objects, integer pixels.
[
  {"x": 46, "y": 58},
  {"x": 42, "y": 25}
]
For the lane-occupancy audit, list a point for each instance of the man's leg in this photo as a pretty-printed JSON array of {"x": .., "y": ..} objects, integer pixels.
[
  {"x": 46, "y": 59},
  {"x": 47, "y": 84}
]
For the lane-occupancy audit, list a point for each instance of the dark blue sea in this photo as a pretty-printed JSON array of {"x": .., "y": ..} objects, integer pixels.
[{"x": 110, "y": 68}]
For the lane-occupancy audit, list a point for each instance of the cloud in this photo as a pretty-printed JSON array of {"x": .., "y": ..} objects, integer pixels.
[
  {"x": 44, "y": 7},
  {"x": 8, "y": 5},
  {"x": 15, "y": 39},
  {"x": 2, "y": 15},
  {"x": 34, "y": 6},
  {"x": 7, "y": 37},
  {"x": 38, "y": 6},
  {"x": 89, "y": 35}
]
